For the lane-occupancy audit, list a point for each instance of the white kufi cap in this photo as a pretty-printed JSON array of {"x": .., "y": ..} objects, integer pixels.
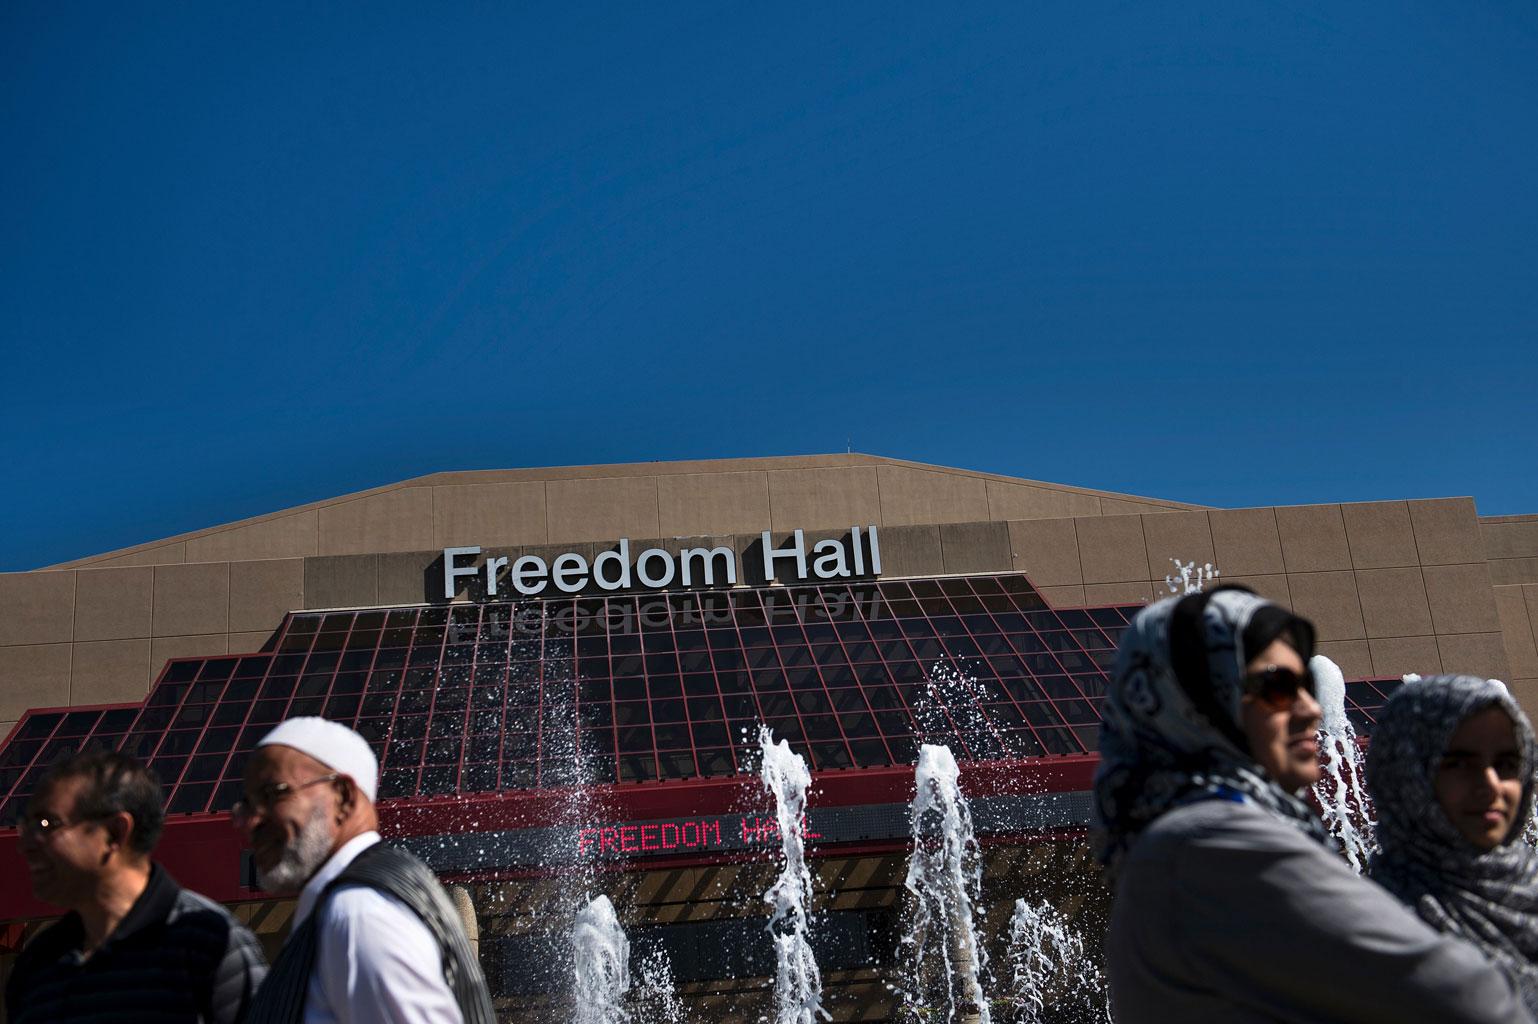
[{"x": 333, "y": 745}]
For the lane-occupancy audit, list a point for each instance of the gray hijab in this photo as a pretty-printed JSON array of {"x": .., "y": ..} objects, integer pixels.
[
  {"x": 1489, "y": 897},
  {"x": 1165, "y": 742}
]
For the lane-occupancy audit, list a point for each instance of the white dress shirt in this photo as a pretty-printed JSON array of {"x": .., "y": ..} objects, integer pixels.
[{"x": 375, "y": 961}]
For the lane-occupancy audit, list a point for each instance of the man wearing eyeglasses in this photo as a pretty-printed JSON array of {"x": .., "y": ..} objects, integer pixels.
[
  {"x": 134, "y": 946},
  {"x": 375, "y": 938}
]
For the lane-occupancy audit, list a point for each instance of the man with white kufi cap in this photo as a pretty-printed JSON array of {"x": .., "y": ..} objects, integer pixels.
[{"x": 375, "y": 938}]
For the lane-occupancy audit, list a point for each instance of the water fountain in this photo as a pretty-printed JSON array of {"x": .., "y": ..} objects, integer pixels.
[
  {"x": 1341, "y": 789},
  {"x": 601, "y": 965},
  {"x": 1189, "y": 577},
  {"x": 797, "y": 981},
  {"x": 945, "y": 959},
  {"x": 1049, "y": 968}
]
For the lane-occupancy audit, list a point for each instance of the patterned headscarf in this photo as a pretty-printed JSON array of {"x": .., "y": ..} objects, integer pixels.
[
  {"x": 1165, "y": 742},
  {"x": 1488, "y": 897}
]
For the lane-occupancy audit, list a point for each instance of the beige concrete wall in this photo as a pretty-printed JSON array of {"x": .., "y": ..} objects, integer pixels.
[
  {"x": 1393, "y": 586},
  {"x": 576, "y": 504},
  {"x": 1511, "y": 546}
]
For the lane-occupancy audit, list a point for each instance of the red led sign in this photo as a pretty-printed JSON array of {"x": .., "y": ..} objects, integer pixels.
[{"x": 682, "y": 835}]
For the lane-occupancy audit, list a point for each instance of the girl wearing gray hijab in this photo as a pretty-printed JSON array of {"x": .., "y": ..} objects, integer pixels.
[
  {"x": 1450, "y": 771},
  {"x": 1230, "y": 904}
]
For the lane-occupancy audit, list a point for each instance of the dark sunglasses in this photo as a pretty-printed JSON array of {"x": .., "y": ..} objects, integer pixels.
[{"x": 1276, "y": 688}]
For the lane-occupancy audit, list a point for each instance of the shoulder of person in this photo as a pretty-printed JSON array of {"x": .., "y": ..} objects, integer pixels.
[
  {"x": 52, "y": 942},
  {"x": 1222, "y": 825},
  {"x": 360, "y": 902}
]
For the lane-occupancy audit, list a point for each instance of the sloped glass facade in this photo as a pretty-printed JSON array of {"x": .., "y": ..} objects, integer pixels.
[{"x": 629, "y": 689}]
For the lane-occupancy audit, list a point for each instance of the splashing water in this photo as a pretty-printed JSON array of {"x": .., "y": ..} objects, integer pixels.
[
  {"x": 1341, "y": 790},
  {"x": 951, "y": 705},
  {"x": 601, "y": 965},
  {"x": 1190, "y": 578},
  {"x": 1046, "y": 959},
  {"x": 944, "y": 959},
  {"x": 797, "y": 981},
  {"x": 655, "y": 996}
]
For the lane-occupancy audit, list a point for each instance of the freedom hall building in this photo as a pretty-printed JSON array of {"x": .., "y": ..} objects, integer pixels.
[{"x": 564, "y": 671}]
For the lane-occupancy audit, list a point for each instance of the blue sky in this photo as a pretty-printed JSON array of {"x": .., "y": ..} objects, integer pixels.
[{"x": 1233, "y": 252}]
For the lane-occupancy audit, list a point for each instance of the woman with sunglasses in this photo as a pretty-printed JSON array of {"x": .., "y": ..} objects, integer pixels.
[
  {"x": 1450, "y": 772},
  {"x": 1230, "y": 903}
]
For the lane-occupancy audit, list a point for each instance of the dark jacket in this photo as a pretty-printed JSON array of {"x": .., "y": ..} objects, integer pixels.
[
  {"x": 396, "y": 873},
  {"x": 174, "y": 959}
]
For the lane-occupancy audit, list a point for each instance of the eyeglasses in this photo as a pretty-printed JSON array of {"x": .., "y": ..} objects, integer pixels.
[
  {"x": 270, "y": 795},
  {"x": 42, "y": 826},
  {"x": 1276, "y": 688}
]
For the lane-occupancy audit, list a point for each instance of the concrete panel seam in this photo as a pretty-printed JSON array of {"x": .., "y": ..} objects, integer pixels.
[
  {"x": 1357, "y": 590},
  {"x": 1078, "y": 549}
]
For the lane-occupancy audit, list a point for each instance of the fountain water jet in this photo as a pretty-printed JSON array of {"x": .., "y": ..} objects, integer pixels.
[
  {"x": 601, "y": 965},
  {"x": 1341, "y": 789},
  {"x": 945, "y": 958},
  {"x": 797, "y": 980},
  {"x": 1189, "y": 577},
  {"x": 1046, "y": 958}
]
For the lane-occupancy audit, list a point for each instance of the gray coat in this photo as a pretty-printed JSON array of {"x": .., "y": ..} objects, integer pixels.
[{"x": 1224, "y": 912}]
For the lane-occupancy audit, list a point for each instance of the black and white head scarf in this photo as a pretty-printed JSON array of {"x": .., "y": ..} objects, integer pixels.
[
  {"x": 1170, "y": 730},
  {"x": 1488, "y": 897}
]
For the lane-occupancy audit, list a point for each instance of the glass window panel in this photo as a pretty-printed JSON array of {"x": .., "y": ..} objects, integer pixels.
[
  {"x": 305, "y": 706},
  {"x": 795, "y": 656},
  {"x": 480, "y": 778},
  {"x": 373, "y": 729},
  {"x": 785, "y": 728},
  {"x": 676, "y": 764},
  {"x": 831, "y": 756},
  {"x": 226, "y": 794},
  {"x": 379, "y": 703},
  {"x": 810, "y": 702},
  {"x": 1059, "y": 741},
  {"x": 637, "y": 767},
  {"x": 439, "y": 781},
  {"x": 401, "y": 751},
  {"x": 442, "y": 751},
  {"x": 669, "y": 736},
  {"x": 78, "y": 723},
  {"x": 664, "y": 686},
  {"x": 191, "y": 798},
  {"x": 205, "y": 768},
  {"x": 631, "y": 739},
  {"x": 820, "y": 727},
  {"x": 349, "y": 682},
  {"x": 858, "y": 724},
  {"x": 709, "y": 734},
  {"x": 398, "y": 782},
  {"x": 218, "y": 741},
  {"x": 448, "y": 723},
  {"x": 168, "y": 768},
  {"x": 704, "y": 709},
  {"x": 117, "y": 719},
  {"x": 869, "y": 753},
  {"x": 715, "y": 763},
  {"x": 342, "y": 706},
  {"x": 667, "y": 710}
]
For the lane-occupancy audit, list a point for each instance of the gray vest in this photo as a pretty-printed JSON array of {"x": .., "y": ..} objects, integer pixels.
[{"x": 397, "y": 873}]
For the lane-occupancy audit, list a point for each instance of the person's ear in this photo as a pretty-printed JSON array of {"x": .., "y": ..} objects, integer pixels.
[
  {"x": 346, "y": 798},
  {"x": 120, "y": 829}
]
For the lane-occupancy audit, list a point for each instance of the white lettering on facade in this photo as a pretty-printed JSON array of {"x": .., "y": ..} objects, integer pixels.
[{"x": 655, "y": 568}]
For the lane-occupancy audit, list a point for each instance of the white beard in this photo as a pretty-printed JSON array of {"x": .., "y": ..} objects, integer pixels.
[{"x": 302, "y": 856}]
